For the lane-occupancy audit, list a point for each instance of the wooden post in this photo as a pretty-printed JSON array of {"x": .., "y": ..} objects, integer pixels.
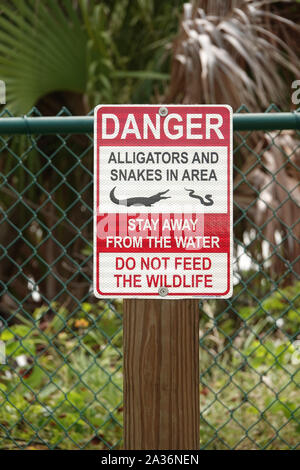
[{"x": 161, "y": 374}]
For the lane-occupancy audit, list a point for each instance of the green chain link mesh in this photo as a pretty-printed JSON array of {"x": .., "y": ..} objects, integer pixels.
[{"x": 61, "y": 385}]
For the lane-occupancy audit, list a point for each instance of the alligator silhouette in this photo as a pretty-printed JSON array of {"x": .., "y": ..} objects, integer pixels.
[
  {"x": 208, "y": 197},
  {"x": 138, "y": 201}
]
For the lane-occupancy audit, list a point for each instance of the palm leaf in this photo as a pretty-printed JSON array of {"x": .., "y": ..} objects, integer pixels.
[
  {"x": 230, "y": 52},
  {"x": 41, "y": 51}
]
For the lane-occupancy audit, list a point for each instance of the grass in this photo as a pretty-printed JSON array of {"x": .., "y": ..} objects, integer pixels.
[
  {"x": 62, "y": 385},
  {"x": 62, "y": 388},
  {"x": 247, "y": 408}
]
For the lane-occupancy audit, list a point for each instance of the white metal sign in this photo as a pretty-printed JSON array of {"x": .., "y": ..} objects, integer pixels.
[{"x": 163, "y": 201}]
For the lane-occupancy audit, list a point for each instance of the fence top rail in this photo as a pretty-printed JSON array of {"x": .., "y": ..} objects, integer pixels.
[{"x": 84, "y": 124}]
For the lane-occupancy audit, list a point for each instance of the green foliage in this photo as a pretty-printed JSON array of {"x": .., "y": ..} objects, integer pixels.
[
  {"x": 109, "y": 52},
  {"x": 278, "y": 313},
  {"x": 40, "y": 50},
  {"x": 260, "y": 309},
  {"x": 250, "y": 368},
  {"x": 243, "y": 409},
  {"x": 69, "y": 394}
]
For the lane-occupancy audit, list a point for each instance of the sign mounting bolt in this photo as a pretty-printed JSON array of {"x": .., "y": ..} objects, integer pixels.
[
  {"x": 163, "y": 291},
  {"x": 163, "y": 111}
]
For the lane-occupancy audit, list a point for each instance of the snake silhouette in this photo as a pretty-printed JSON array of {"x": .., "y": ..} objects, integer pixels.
[
  {"x": 208, "y": 197},
  {"x": 138, "y": 201}
]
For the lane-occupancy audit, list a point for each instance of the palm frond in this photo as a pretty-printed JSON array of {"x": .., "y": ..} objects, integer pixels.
[
  {"x": 41, "y": 51},
  {"x": 228, "y": 52}
]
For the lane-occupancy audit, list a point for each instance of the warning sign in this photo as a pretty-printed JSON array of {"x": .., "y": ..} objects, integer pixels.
[{"x": 163, "y": 201}]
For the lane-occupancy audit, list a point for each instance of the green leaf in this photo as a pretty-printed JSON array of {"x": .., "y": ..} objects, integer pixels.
[
  {"x": 141, "y": 74},
  {"x": 6, "y": 335},
  {"x": 21, "y": 330},
  {"x": 41, "y": 51},
  {"x": 253, "y": 410}
]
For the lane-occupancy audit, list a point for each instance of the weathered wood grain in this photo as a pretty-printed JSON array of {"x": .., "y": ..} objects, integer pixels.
[{"x": 161, "y": 374}]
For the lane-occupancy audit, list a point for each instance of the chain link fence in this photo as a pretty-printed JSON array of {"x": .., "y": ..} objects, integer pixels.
[{"x": 61, "y": 384}]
